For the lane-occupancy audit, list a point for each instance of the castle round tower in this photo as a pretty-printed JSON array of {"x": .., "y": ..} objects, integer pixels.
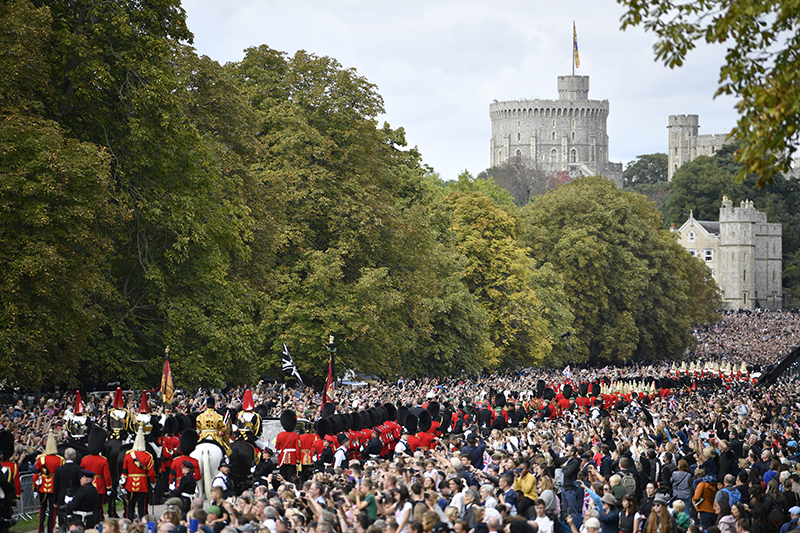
[
  {"x": 565, "y": 135},
  {"x": 682, "y": 141}
]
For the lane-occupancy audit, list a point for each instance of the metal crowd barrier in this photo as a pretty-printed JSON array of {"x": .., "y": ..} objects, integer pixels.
[{"x": 27, "y": 506}]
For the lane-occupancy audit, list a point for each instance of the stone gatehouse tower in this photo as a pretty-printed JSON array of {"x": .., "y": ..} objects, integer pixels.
[{"x": 566, "y": 135}]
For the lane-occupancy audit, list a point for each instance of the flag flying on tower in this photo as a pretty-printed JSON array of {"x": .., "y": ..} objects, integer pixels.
[
  {"x": 167, "y": 390},
  {"x": 289, "y": 366},
  {"x": 575, "y": 45}
]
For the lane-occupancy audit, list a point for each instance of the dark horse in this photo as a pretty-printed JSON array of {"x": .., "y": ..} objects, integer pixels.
[{"x": 242, "y": 463}]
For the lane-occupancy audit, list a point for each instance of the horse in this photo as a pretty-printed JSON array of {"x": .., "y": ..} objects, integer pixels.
[
  {"x": 243, "y": 460},
  {"x": 208, "y": 455}
]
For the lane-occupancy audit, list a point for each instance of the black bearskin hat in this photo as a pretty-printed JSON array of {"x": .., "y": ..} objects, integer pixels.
[
  {"x": 97, "y": 440},
  {"x": 425, "y": 421},
  {"x": 187, "y": 442},
  {"x": 411, "y": 424},
  {"x": 323, "y": 427},
  {"x": 401, "y": 414},
  {"x": 500, "y": 400},
  {"x": 171, "y": 426},
  {"x": 6, "y": 444},
  {"x": 567, "y": 392},
  {"x": 327, "y": 410},
  {"x": 391, "y": 412},
  {"x": 288, "y": 420},
  {"x": 433, "y": 409}
]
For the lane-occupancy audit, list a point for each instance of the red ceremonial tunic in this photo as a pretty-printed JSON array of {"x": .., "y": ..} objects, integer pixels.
[
  {"x": 14, "y": 469},
  {"x": 169, "y": 447},
  {"x": 45, "y": 468},
  {"x": 307, "y": 442},
  {"x": 287, "y": 444},
  {"x": 425, "y": 440},
  {"x": 413, "y": 442},
  {"x": 102, "y": 475},
  {"x": 138, "y": 467}
]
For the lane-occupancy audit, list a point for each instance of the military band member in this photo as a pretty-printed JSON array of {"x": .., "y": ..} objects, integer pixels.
[{"x": 287, "y": 444}]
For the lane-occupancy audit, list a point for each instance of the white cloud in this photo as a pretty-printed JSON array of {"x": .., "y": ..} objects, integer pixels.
[{"x": 438, "y": 65}]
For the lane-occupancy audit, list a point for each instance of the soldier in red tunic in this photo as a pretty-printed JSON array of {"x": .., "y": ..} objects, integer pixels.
[
  {"x": 46, "y": 465},
  {"x": 169, "y": 445},
  {"x": 186, "y": 445},
  {"x": 94, "y": 462},
  {"x": 307, "y": 450},
  {"x": 425, "y": 438},
  {"x": 138, "y": 471},
  {"x": 287, "y": 444},
  {"x": 7, "y": 447}
]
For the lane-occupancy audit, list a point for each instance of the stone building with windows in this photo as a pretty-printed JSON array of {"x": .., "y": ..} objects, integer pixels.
[
  {"x": 567, "y": 135},
  {"x": 744, "y": 254}
]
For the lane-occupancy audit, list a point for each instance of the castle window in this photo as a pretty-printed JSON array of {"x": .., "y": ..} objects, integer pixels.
[
  {"x": 693, "y": 252},
  {"x": 691, "y": 236},
  {"x": 518, "y": 136},
  {"x": 554, "y": 155},
  {"x": 573, "y": 154},
  {"x": 708, "y": 255},
  {"x": 773, "y": 276},
  {"x": 573, "y": 123},
  {"x": 744, "y": 275},
  {"x": 500, "y": 155},
  {"x": 554, "y": 123},
  {"x": 519, "y": 153},
  {"x": 518, "y": 123},
  {"x": 573, "y": 135},
  {"x": 554, "y": 136}
]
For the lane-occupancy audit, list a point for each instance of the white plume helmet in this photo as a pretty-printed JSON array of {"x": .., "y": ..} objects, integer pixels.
[
  {"x": 138, "y": 443},
  {"x": 51, "y": 448}
]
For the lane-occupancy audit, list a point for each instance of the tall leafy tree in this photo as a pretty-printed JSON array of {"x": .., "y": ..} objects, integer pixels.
[
  {"x": 646, "y": 169},
  {"x": 499, "y": 274},
  {"x": 624, "y": 277},
  {"x": 347, "y": 209}
]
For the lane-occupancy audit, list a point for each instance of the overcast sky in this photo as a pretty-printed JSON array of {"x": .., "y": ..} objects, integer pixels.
[{"x": 439, "y": 64}]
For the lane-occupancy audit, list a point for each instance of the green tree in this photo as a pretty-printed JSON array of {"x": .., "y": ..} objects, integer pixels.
[
  {"x": 357, "y": 250},
  {"x": 55, "y": 194},
  {"x": 521, "y": 178},
  {"x": 646, "y": 169},
  {"x": 499, "y": 274},
  {"x": 760, "y": 67},
  {"x": 624, "y": 277}
]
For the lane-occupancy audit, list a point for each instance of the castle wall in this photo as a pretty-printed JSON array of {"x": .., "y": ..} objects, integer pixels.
[{"x": 686, "y": 144}]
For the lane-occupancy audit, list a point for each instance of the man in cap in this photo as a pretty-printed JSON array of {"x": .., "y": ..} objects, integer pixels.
[
  {"x": 212, "y": 426},
  {"x": 138, "y": 471},
  {"x": 794, "y": 518},
  {"x": 223, "y": 479},
  {"x": 187, "y": 486},
  {"x": 85, "y": 505},
  {"x": 46, "y": 465},
  {"x": 340, "y": 456}
]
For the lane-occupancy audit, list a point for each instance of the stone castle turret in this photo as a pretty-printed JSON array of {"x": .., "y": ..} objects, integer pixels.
[
  {"x": 686, "y": 144},
  {"x": 565, "y": 135}
]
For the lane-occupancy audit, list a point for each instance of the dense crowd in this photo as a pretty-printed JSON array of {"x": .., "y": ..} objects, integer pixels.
[{"x": 719, "y": 458}]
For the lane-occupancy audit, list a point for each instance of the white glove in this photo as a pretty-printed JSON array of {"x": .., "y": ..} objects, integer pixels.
[
  {"x": 68, "y": 499},
  {"x": 172, "y": 486},
  {"x": 108, "y": 492},
  {"x": 122, "y": 481},
  {"x": 39, "y": 482}
]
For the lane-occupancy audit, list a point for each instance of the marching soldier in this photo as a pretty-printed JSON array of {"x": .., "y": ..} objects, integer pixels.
[
  {"x": 187, "y": 486},
  {"x": 169, "y": 442},
  {"x": 138, "y": 471},
  {"x": 287, "y": 444},
  {"x": 212, "y": 427},
  {"x": 96, "y": 463},
  {"x": 7, "y": 449},
  {"x": 7, "y": 491},
  {"x": 307, "y": 450},
  {"x": 46, "y": 465}
]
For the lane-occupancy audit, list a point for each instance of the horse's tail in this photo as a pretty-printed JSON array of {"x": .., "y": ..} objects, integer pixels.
[{"x": 206, "y": 458}]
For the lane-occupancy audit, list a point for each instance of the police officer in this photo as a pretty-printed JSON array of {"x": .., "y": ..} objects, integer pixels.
[
  {"x": 86, "y": 504},
  {"x": 223, "y": 479}
]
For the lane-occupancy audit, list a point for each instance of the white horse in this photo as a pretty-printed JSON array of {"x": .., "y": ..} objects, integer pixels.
[{"x": 209, "y": 456}]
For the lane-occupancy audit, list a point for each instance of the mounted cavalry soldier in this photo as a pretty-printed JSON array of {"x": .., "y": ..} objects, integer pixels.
[
  {"x": 213, "y": 427},
  {"x": 118, "y": 421},
  {"x": 138, "y": 471},
  {"x": 78, "y": 426},
  {"x": 248, "y": 422}
]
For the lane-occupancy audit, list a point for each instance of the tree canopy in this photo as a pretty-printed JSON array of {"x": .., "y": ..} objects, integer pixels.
[
  {"x": 646, "y": 169},
  {"x": 760, "y": 67},
  {"x": 626, "y": 280}
]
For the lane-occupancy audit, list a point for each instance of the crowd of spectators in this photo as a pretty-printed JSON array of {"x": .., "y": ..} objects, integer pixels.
[{"x": 714, "y": 460}]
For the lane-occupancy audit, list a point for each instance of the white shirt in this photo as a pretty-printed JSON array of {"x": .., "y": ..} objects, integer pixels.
[
  {"x": 545, "y": 524},
  {"x": 339, "y": 456}
]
